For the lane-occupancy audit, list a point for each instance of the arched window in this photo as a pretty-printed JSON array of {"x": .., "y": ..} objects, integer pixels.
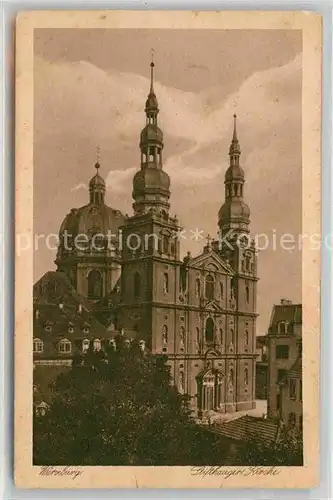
[
  {"x": 38, "y": 345},
  {"x": 165, "y": 335},
  {"x": 181, "y": 381},
  {"x": 232, "y": 336},
  {"x": 65, "y": 346},
  {"x": 166, "y": 283},
  {"x": 221, "y": 290},
  {"x": 165, "y": 244},
  {"x": 95, "y": 285},
  {"x": 137, "y": 285},
  {"x": 197, "y": 331},
  {"x": 248, "y": 262},
  {"x": 246, "y": 376},
  {"x": 209, "y": 332},
  {"x": 209, "y": 391},
  {"x": 182, "y": 335},
  {"x": 231, "y": 377},
  {"x": 221, "y": 336},
  {"x": 246, "y": 337},
  {"x": 247, "y": 294},
  {"x": 209, "y": 287},
  {"x": 232, "y": 288},
  {"x": 197, "y": 287}
]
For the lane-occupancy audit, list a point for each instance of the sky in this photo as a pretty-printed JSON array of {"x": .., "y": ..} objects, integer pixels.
[{"x": 90, "y": 87}]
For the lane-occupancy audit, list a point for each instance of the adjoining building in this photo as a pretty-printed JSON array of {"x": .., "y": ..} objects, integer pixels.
[
  {"x": 284, "y": 356},
  {"x": 200, "y": 311},
  {"x": 261, "y": 367}
]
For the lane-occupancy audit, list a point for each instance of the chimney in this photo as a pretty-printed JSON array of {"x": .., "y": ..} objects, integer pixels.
[{"x": 285, "y": 302}]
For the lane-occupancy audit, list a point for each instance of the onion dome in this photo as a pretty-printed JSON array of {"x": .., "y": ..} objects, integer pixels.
[
  {"x": 150, "y": 179},
  {"x": 234, "y": 209},
  {"x": 151, "y": 133},
  {"x": 97, "y": 180}
]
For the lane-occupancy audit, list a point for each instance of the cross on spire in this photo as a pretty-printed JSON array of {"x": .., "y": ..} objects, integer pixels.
[{"x": 98, "y": 155}]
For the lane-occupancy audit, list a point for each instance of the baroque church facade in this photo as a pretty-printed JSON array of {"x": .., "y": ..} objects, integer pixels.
[{"x": 200, "y": 311}]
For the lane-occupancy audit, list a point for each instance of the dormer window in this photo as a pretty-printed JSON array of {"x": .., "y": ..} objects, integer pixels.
[
  {"x": 85, "y": 345},
  {"x": 282, "y": 328},
  {"x": 65, "y": 346},
  {"x": 70, "y": 328},
  {"x": 86, "y": 329},
  {"x": 97, "y": 345},
  {"x": 38, "y": 346}
]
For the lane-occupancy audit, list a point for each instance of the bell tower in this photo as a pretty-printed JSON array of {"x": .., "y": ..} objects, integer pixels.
[
  {"x": 150, "y": 244},
  {"x": 237, "y": 247}
]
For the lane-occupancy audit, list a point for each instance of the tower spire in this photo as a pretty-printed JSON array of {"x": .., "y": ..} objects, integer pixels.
[
  {"x": 152, "y": 64},
  {"x": 234, "y": 138},
  {"x": 234, "y": 150}
]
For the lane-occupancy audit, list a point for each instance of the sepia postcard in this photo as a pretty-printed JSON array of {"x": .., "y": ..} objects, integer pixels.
[{"x": 167, "y": 278}]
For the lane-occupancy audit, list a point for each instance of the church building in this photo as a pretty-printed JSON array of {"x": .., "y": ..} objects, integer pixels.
[{"x": 199, "y": 310}]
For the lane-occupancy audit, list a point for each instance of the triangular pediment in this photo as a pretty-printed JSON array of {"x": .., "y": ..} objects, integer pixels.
[
  {"x": 212, "y": 305},
  {"x": 211, "y": 261}
]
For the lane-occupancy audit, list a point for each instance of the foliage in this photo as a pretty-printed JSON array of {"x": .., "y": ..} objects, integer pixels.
[
  {"x": 120, "y": 408},
  {"x": 287, "y": 451}
]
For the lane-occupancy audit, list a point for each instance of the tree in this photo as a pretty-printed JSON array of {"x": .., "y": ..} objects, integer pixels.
[
  {"x": 120, "y": 408},
  {"x": 287, "y": 451}
]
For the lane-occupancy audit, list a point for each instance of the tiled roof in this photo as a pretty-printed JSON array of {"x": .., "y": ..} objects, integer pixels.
[
  {"x": 53, "y": 289},
  {"x": 291, "y": 313},
  {"x": 240, "y": 429}
]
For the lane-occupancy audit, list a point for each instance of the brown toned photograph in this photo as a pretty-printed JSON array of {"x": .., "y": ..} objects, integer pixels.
[{"x": 161, "y": 240}]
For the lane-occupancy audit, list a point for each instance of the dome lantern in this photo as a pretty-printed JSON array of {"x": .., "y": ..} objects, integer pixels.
[{"x": 97, "y": 185}]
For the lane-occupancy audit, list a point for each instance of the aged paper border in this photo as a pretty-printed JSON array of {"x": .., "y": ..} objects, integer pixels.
[{"x": 27, "y": 475}]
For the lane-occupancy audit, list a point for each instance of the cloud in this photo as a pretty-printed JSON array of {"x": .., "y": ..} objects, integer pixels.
[
  {"x": 117, "y": 180},
  {"x": 78, "y": 187},
  {"x": 78, "y": 105}
]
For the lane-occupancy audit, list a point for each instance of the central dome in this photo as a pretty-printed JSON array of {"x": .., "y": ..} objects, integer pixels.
[{"x": 91, "y": 219}]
